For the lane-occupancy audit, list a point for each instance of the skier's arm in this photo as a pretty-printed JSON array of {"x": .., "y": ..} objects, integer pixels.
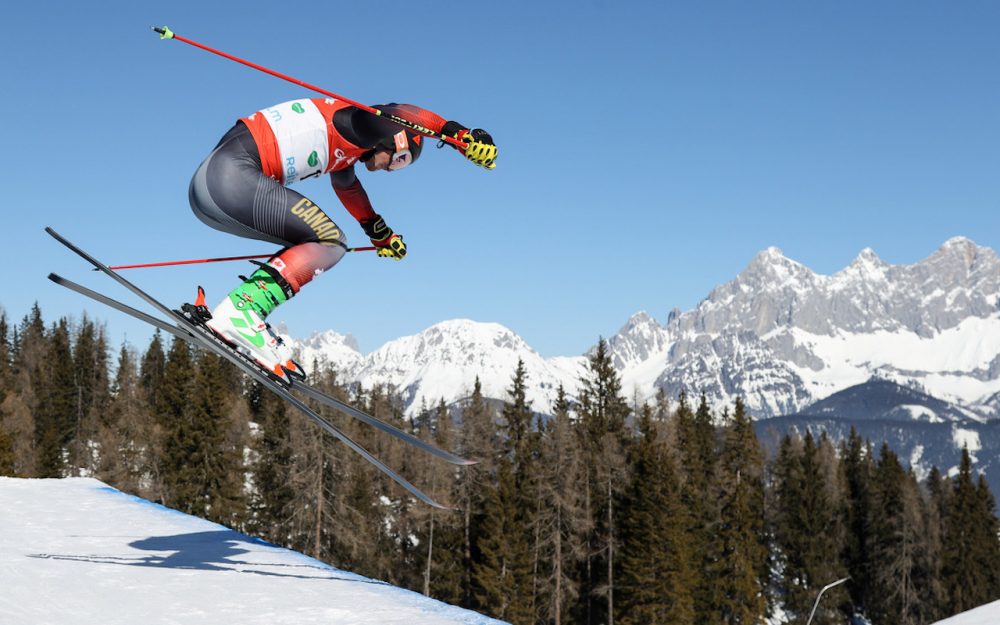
[
  {"x": 352, "y": 195},
  {"x": 354, "y": 198}
]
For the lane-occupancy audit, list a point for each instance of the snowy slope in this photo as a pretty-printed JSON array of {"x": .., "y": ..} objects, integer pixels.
[
  {"x": 988, "y": 614},
  {"x": 75, "y": 551}
]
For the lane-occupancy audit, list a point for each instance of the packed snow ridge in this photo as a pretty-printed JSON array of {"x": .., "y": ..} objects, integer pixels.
[
  {"x": 78, "y": 551},
  {"x": 779, "y": 335}
]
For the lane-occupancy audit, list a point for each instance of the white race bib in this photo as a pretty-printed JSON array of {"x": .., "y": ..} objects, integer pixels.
[{"x": 301, "y": 133}]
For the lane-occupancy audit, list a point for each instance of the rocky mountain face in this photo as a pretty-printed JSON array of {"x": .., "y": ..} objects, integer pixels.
[
  {"x": 783, "y": 337},
  {"x": 779, "y": 335}
]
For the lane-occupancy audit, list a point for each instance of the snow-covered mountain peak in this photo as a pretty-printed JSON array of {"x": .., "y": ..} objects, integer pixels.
[
  {"x": 456, "y": 341},
  {"x": 868, "y": 258},
  {"x": 443, "y": 361},
  {"x": 334, "y": 348},
  {"x": 772, "y": 268},
  {"x": 639, "y": 339},
  {"x": 962, "y": 258},
  {"x": 329, "y": 338},
  {"x": 866, "y": 270}
]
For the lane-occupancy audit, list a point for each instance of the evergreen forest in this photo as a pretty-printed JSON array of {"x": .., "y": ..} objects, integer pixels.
[{"x": 592, "y": 511}]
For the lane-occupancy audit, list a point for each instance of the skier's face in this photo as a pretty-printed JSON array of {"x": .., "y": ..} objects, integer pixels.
[{"x": 379, "y": 161}]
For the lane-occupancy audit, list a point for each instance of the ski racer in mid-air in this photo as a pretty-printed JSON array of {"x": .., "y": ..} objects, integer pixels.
[{"x": 242, "y": 189}]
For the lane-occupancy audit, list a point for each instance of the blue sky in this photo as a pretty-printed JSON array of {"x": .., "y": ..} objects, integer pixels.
[{"x": 647, "y": 150}]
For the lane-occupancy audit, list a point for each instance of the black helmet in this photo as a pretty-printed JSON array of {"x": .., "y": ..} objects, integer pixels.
[{"x": 405, "y": 147}]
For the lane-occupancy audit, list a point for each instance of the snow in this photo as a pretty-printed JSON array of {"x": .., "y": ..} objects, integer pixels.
[
  {"x": 967, "y": 438},
  {"x": 75, "y": 551},
  {"x": 988, "y": 614},
  {"x": 921, "y": 413},
  {"x": 851, "y": 358}
]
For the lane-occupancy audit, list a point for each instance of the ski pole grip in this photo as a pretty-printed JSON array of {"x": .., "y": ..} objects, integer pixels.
[{"x": 164, "y": 33}]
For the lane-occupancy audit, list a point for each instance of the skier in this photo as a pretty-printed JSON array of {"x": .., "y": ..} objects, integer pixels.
[{"x": 242, "y": 189}]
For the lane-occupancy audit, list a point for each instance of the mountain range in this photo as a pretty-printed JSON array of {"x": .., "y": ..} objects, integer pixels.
[{"x": 779, "y": 335}]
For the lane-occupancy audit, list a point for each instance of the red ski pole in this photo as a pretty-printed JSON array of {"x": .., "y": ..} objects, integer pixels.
[
  {"x": 166, "y": 33},
  {"x": 171, "y": 263}
]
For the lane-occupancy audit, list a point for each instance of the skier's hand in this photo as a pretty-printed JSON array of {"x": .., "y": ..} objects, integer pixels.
[
  {"x": 388, "y": 244},
  {"x": 480, "y": 148},
  {"x": 392, "y": 248}
]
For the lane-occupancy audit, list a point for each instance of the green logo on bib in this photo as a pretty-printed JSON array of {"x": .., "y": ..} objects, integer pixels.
[
  {"x": 298, "y": 108},
  {"x": 313, "y": 159}
]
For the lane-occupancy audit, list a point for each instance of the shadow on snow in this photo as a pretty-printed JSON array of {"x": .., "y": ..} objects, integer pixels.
[{"x": 208, "y": 551}]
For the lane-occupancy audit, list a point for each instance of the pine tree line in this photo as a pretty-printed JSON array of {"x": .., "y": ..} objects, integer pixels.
[{"x": 602, "y": 513}]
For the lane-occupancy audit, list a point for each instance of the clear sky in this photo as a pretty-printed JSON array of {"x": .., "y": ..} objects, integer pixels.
[{"x": 647, "y": 149}]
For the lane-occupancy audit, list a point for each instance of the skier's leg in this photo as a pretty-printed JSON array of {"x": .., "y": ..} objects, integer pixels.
[{"x": 229, "y": 192}]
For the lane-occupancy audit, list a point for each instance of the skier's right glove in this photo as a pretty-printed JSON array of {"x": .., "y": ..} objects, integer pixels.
[{"x": 388, "y": 244}]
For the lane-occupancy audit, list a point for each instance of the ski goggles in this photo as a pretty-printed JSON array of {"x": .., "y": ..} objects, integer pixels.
[{"x": 402, "y": 157}]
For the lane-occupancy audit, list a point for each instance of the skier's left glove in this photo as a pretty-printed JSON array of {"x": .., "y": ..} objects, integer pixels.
[
  {"x": 388, "y": 244},
  {"x": 480, "y": 148}
]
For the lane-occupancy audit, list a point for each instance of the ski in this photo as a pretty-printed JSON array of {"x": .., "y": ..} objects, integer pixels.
[
  {"x": 298, "y": 386},
  {"x": 191, "y": 333}
]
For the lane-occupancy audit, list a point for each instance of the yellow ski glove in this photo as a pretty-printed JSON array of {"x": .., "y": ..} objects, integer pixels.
[
  {"x": 388, "y": 244},
  {"x": 479, "y": 149}
]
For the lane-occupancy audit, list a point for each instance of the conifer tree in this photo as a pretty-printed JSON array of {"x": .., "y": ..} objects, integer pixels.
[
  {"x": 367, "y": 518},
  {"x": 970, "y": 542},
  {"x": 501, "y": 574},
  {"x": 657, "y": 579},
  {"x": 696, "y": 443},
  {"x": 443, "y": 538},
  {"x": 208, "y": 476},
  {"x": 172, "y": 409},
  {"x": 152, "y": 371},
  {"x": 808, "y": 531},
  {"x": 740, "y": 573},
  {"x": 28, "y": 351},
  {"x": 477, "y": 440},
  {"x": 858, "y": 472},
  {"x": 6, "y": 358},
  {"x": 896, "y": 545},
  {"x": 54, "y": 384},
  {"x": 938, "y": 489},
  {"x": 561, "y": 520},
  {"x": 311, "y": 513},
  {"x": 602, "y": 412},
  {"x": 7, "y": 456},
  {"x": 504, "y": 574},
  {"x": 273, "y": 492},
  {"x": 989, "y": 533},
  {"x": 126, "y": 434},
  {"x": 90, "y": 363}
]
